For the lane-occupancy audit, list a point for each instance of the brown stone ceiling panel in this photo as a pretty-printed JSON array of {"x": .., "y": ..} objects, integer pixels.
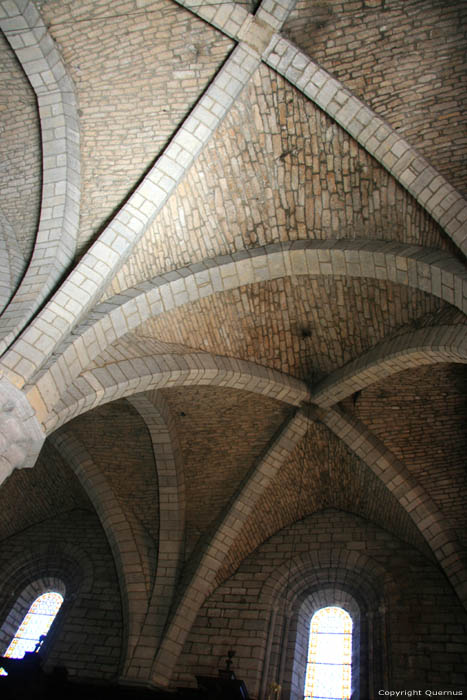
[
  {"x": 406, "y": 59},
  {"x": 421, "y": 415},
  {"x": 303, "y": 326},
  {"x": 222, "y": 433},
  {"x": 118, "y": 440},
  {"x": 321, "y": 473},
  {"x": 137, "y": 71},
  {"x": 30, "y": 496},
  {"x": 20, "y": 150},
  {"x": 277, "y": 169}
]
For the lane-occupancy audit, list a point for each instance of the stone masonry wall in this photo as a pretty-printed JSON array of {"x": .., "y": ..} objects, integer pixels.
[
  {"x": 87, "y": 638},
  {"x": 427, "y": 626},
  {"x": 405, "y": 58}
]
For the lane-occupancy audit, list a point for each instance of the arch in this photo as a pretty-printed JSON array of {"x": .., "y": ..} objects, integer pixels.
[
  {"x": 59, "y": 122},
  {"x": 423, "y": 347},
  {"x": 196, "y": 587},
  {"x": 47, "y": 603},
  {"x": 87, "y": 282},
  {"x": 412, "y": 497},
  {"x": 430, "y": 271},
  {"x": 445, "y": 204},
  {"x": 33, "y": 572},
  {"x": 167, "y": 453},
  {"x": 433, "y": 192},
  {"x": 309, "y": 581},
  {"x": 128, "y": 377},
  {"x": 125, "y": 535}
]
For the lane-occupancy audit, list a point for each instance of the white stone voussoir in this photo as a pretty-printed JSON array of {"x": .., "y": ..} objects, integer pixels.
[
  {"x": 199, "y": 585},
  {"x": 429, "y": 270},
  {"x": 125, "y": 378},
  {"x": 59, "y": 122},
  {"x": 89, "y": 279},
  {"x": 168, "y": 457},
  {"x": 433, "y": 192},
  {"x": 422, "y": 347},
  {"x": 126, "y": 536},
  {"x": 412, "y": 497}
]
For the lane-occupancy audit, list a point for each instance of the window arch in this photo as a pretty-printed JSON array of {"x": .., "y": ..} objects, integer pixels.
[
  {"x": 329, "y": 663},
  {"x": 32, "y": 605},
  {"x": 36, "y": 624}
]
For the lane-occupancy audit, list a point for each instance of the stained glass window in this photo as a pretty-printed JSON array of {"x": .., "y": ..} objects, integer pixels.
[
  {"x": 36, "y": 623},
  {"x": 328, "y": 671}
]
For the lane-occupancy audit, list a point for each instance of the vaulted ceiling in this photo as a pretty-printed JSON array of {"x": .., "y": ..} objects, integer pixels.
[{"x": 223, "y": 372}]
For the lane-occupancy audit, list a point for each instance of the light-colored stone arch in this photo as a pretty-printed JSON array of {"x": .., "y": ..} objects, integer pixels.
[
  {"x": 333, "y": 575},
  {"x": 432, "y": 191},
  {"x": 87, "y": 282},
  {"x": 428, "y": 270},
  {"x": 58, "y": 226},
  {"x": 133, "y": 376},
  {"x": 413, "y": 498},
  {"x": 196, "y": 587},
  {"x": 310, "y": 570},
  {"x": 155, "y": 413},
  {"x": 422, "y": 347},
  {"x": 125, "y": 536}
]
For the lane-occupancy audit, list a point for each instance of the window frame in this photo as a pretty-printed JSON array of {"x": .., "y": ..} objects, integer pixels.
[
  {"x": 298, "y": 638},
  {"x": 321, "y": 629},
  {"x": 22, "y": 603}
]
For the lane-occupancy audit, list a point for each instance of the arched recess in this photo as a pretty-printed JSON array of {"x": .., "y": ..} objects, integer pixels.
[
  {"x": 170, "y": 479},
  {"x": 34, "y": 572},
  {"x": 125, "y": 535},
  {"x": 304, "y": 584},
  {"x": 430, "y": 271},
  {"x": 28, "y": 595},
  {"x": 58, "y": 226}
]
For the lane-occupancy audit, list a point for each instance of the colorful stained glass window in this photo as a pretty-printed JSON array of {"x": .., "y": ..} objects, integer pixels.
[
  {"x": 36, "y": 623},
  {"x": 328, "y": 671}
]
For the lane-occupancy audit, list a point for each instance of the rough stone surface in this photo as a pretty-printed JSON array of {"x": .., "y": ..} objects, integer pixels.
[
  {"x": 365, "y": 46},
  {"x": 439, "y": 429},
  {"x": 20, "y": 151},
  {"x": 138, "y": 70},
  {"x": 304, "y": 326}
]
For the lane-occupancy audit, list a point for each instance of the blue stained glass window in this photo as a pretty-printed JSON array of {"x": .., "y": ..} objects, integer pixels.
[
  {"x": 36, "y": 623},
  {"x": 328, "y": 673}
]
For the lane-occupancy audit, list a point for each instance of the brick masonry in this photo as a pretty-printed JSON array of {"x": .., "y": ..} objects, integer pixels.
[
  {"x": 89, "y": 635},
  {"x": 335, "y": 550}
]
